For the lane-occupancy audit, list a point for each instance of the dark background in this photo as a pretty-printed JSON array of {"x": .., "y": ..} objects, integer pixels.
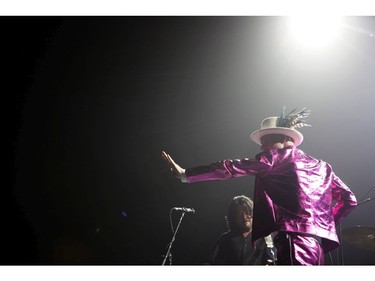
[{"x": 90, "y": 102}]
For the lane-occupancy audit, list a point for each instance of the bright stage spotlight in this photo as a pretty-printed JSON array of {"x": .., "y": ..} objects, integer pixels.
[{"x": 314, "y": 32}]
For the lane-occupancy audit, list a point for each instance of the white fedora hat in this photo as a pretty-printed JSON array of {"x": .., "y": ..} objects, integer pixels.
[
  {"x": 269, "y": 126},
  {"x": 284, "y": 125}
]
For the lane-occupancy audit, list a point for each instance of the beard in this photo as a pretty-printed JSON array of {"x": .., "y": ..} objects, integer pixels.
[{"x": 245, "y": 227}]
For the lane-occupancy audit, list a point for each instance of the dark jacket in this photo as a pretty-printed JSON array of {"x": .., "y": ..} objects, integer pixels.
[{"x": 232, "y": 248}]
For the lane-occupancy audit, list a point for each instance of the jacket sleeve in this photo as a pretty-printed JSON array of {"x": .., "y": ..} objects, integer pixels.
[
  {"x": 217, "y": 254},
  {"x": 344, "y": 197},
  {"x": 226, "y": 169}
]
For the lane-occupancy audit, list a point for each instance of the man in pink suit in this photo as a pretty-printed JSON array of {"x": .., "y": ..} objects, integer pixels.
[{"x": 297, "y": 198}]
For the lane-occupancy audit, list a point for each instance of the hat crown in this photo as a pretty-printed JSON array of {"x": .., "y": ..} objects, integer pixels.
[{"x": 270, "y": 122}]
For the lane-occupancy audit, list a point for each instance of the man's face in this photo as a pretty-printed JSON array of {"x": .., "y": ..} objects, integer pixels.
[
  {"x": 266, "y": 146},
  {"x": 272, "y": 141},
  {"x": 244, "y": 220},
  {"x": 267, "y": 142}
]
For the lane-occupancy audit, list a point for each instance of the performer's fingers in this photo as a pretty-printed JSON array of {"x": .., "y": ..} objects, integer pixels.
[
  {"x": 164, "y": 154},
  {"x": 166, "y": 157},
  {"x": 170, "y": 160}
]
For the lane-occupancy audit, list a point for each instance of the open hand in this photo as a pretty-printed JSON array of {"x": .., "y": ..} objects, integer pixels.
[{"x": 175, "y": 168}]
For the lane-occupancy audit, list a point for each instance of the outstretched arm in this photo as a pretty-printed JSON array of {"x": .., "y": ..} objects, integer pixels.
[{"x": 175, "y": 168}]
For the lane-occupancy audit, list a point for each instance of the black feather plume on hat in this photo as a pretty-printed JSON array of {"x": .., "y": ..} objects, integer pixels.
[{"x": 293, "y": 119}]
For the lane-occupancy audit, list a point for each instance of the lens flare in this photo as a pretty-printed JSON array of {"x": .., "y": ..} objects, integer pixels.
[{"x": 314, "y": 32}]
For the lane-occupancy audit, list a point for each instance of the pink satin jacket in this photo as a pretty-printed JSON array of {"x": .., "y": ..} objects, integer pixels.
[{"x": 293, "y": 192}]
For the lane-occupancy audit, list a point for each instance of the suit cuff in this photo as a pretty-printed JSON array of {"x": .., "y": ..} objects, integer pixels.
[{"x": 183, "y": 176}]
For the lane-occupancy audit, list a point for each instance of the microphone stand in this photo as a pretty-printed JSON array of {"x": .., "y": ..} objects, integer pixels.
[
  {"x": 341, "y": 247},
  {"x": 168, "y": 254},
  {"x": 365, "y": 201}
]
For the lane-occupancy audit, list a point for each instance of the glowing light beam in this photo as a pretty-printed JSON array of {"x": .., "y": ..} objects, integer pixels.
[{"x": 314, "y": 32}]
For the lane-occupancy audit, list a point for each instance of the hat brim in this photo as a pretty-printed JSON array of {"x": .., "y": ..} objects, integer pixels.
[{"x": 295, "y": 135}]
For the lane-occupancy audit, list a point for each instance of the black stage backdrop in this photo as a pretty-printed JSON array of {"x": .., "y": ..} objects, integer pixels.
[{"x": 90, "y": 102}]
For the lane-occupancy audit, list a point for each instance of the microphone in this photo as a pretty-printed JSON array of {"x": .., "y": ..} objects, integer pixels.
[
  {"x": 185, "y": 210},
  {"x": 364, "y": 201}
]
